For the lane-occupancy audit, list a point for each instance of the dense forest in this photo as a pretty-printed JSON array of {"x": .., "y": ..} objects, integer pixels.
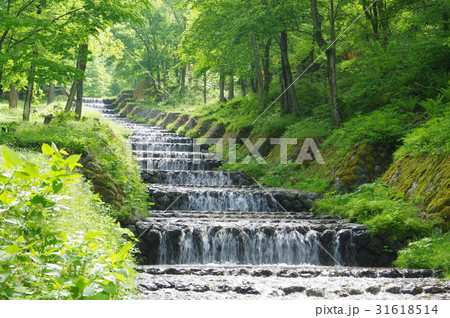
[{"x": 367, "y": 80}]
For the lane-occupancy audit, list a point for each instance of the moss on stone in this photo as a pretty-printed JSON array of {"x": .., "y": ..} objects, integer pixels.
[
  {"x": 190, "y": 124},
  {"x": 362, "y": 165},
  {"x": 427, "y": 177},
  {"x": 203, "y": 126},
  {"x": 181, "y": 120},
  {"x": 142, "y": 89},
  {"x": 168, "y": 119}
]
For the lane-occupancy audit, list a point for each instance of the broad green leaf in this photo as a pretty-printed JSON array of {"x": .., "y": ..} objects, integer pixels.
[
  {"x": 22, "y": 175},
  {"x": 57, "y": 186},
  {"x": 92, "y": 290},
  {"x": 47, "y": 150},
  {"x": 110, "y": 288},
  {"x": 4, "y": 197},
  {"x": 35, "y": 259},
  {"x": 72, "y": 161},
  {"x": 13, "y": 249},
  {"x": 12, "y": 157},
  {"x": 91, "y": 235},
  {"x": 122, "y": 254},
  {"x": 32, "y": 169},
  {"x": 81, "y": 284}
]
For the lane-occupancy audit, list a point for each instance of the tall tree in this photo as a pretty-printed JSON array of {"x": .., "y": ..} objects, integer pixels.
[{"x": 331, "y": 56}]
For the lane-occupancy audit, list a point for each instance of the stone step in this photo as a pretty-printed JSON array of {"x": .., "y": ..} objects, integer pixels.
[
  {"x": 161, "y": 146},
  {"x": 149, "y": 164},
  {"x": 197, "y": 178},
  {"x": 242, "y": 215},
  {"x": 161, "y": 139},
  {"x": 288, "y": 282},
  {"x": 140, "y": 154},
  {"x": 151, "y": 133},
  {"x": 243, "y": 198}
]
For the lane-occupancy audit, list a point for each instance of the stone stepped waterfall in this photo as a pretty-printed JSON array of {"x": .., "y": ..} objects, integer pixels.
[{"x": 216, "y": 234}]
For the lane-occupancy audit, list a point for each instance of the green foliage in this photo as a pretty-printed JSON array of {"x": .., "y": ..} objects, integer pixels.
[
  {"x": 51, "y": 245},
  {"x": 432, "y": 138},
  {"x": 290, "y": 175},
  {"x": 381, "y": 126},
  {"x": 89, "y": 136},
  {"x": 380, "y": 208},
  {"x": 430, "y": 252},
  {"x": 295, "y": 176},
  {"x": 309, "y": 127}
]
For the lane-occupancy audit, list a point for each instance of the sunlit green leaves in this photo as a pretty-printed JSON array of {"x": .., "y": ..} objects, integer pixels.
[
  {"x": 11, "y": 157},
  {"x": 47, "y": 150}
]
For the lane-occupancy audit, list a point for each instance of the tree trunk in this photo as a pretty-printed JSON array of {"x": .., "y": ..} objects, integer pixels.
[
  {"x": 267, "y": 73},
  {"x": 204, "y": 88},
  {"x": 83, "y": 55},
  {"x": 71, "y": 96},
  {"x": 222, "y": 88},
  {"x": 231, "y": 88},
  {"x": 51, "y": 93},
  {"x": 289, "y": 98},
  {"x": 259, "y": 78},
  {"x": 445, "y": 17},
  {"x": 243, "y": 86},
  {"x": 331, "y": 58},
  {"x": 1, "y": 86},
  {"x": 332, "y": 76},
  {"x": 183, "y": 79},
  {"x": 13, "y": 96},
  {"x": 29, "y": 96}
]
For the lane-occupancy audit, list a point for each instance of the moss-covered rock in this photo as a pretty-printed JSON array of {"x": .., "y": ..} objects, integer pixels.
[
  {"x": 135, "y": 111},
  {"x": 264, "y": 137},
  {"x": 142, "y": 89},
  {"x": 427, "y": 177},
  {"x": 362, "y": 165},
  {"x": 181, "y": 120},
  {"x": 216, "y": 131},
  {"x": 127, "y": 109},
  {"x": 168, "y": 119},
  {"x": 202, "y": 127},
  {"x": 124, "y": 95},
  {"x": 190, "y": 124},
  {"x": 157, "y": 118},
  {"x": 102, "y": 183}
]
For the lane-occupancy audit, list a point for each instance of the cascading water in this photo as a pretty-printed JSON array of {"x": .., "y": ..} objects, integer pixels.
[{"x": 216, "y": 223}]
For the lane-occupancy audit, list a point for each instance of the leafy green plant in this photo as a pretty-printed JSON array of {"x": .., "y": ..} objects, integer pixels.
[
  {"x": 430, "y": 252},
  {"x": 90, "y": 137},
  {"x": 431, "y": 138},
  {"x": 434, "y": 106},
  {"x": 51, "y": 247},
  {"x": 380, "y": 126},
  {"x": 380, "y": 208}
]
